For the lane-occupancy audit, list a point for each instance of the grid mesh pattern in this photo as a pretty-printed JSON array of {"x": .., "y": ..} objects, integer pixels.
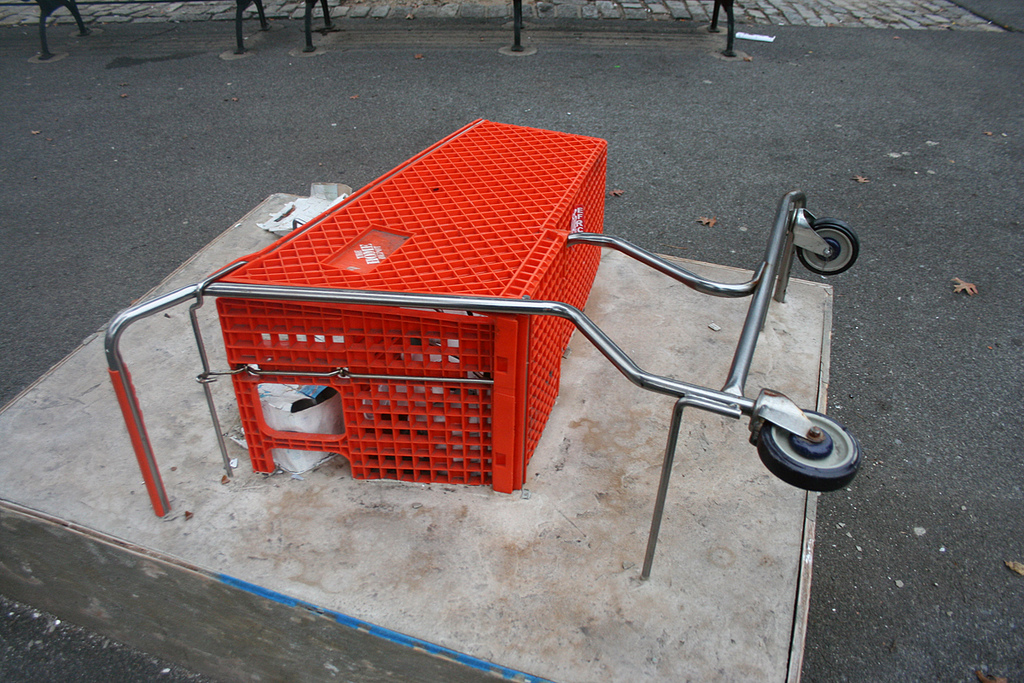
[
  {"x": 484, "y": 212},
  {"x": 279, "y": 335},
  {"x": 481, "y": 210},
  {"x": 420, "y": 432},
  {"x": 417, "y": 431},
  {"x": 568, "y": 279}
]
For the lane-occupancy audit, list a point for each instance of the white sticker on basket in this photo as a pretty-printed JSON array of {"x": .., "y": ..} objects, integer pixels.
[
  {"x": 371, "y": 253},
  {"x": 577, "y": 220},
  {"x": 368, "y": 251}
]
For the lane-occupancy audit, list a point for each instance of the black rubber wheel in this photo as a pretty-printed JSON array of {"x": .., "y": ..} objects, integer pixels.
[
  {"x": 844, "y": 243},
  {"x": 827, "y": 466}
]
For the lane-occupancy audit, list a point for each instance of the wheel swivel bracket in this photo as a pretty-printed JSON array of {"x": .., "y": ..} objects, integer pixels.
[
  {"x": 805, "y": 237},
  {"x": 776, "y": 408}
]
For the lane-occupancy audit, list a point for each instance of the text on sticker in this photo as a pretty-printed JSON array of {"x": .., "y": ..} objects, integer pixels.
[
  {"x": 577, "y": 220},
  {"x": 370, "y": 253}
]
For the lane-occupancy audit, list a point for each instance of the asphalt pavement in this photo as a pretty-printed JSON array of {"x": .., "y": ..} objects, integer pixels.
[
  {"x": 1008, "y": 14},
  {"x": 124, "y": 158}
]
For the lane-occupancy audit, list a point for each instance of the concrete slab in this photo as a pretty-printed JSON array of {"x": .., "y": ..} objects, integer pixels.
[{"x": 537, "y": 586}]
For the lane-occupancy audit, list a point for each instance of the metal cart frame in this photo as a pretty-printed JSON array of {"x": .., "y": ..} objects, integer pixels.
[{"x": 803, "y": 448}]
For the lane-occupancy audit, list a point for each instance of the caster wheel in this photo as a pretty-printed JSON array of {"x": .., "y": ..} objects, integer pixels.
[
  {"x": 824, "y": 466},
  {"x": 844, "y": 243}
]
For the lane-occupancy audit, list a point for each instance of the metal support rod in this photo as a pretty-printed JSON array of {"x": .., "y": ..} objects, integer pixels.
[
  {"x": 758, "y": 310},
  {"x": 715, "y": 401},
  {"x": 46, "y": 8},
  {"x": 44, "y": 51},
  {"x": 691, "y": 280},
  {"x": 772, "y": 274},
  {"x": 308, "y": 26},
  {"x": 121, "y": 380},
  {"x": 785, "y": 268},
  {"x": 340, "y": 373},
  {"x": 126, "y": 393},
  {"x": 666, "y": 476},
  {"x": 587, "y": 327},
  {"x": 264, "y": 26},
  {"x": 731, "y": 25},
  {"x": 517, "y": 25},
  {"x": 240, "y": 6},
  {"x": 207, "y": 391},
  {"x": 730, "y": 40}
]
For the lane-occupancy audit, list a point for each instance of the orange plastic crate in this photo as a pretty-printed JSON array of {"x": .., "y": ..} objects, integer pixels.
[{"x": 484, "y": 212}]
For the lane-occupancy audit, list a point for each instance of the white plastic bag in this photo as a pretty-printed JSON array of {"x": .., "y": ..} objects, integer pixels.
[{"x": 302, "y": 409}]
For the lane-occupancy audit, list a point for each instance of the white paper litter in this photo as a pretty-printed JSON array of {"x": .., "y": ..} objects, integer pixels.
[
  {"x": 238, "y": 436},
  {"x": 298, "y": 462},
  {"x": 322, "y": 196},
  {"x": 755, "y": 36}
]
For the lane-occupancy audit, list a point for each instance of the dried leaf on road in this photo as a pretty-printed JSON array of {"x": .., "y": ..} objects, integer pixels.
[
  {"x": 961, "y": 286},
  {"x": 354, "y": 97},
  {"x": 188, "y": 515},
  {"x": 710, "y": 222},
  {"x": 417, "y": 56},
  {"x": 861, "y": 179},
  {"x": 988, "y": 133},
  {"x": 982, "y": 678},
  {"x": 617, "y": 193},
  {"x": 1015, "y": 566},
  {"x": 36, "y": 132}
]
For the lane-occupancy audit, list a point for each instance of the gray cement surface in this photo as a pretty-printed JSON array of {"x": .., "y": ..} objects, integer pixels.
[
  {"x": 545, "y": 582},
  {"x": 124, "y": 158}
]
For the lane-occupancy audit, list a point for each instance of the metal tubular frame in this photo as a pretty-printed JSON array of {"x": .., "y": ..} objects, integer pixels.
[
  {"x": 778, "y": 241},
  {"x": 771, "y": 276},
  {"x": 730, "y": 19},
  {"x": 342, "y": 373},
  {"x": 517, "y": 25},
  {"x": 201, "y": 346}
]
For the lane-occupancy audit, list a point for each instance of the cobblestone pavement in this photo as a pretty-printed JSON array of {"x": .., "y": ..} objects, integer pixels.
[{"x": 877, "y": 14}]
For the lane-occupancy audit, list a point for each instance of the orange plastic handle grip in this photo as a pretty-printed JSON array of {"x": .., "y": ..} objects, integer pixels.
[{"x": 137, "y": 432}]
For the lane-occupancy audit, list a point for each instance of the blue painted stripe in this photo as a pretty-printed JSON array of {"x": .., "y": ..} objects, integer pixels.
[
  {"x": 386, "y": 633},
  {"x": 258, "y": 590}
]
